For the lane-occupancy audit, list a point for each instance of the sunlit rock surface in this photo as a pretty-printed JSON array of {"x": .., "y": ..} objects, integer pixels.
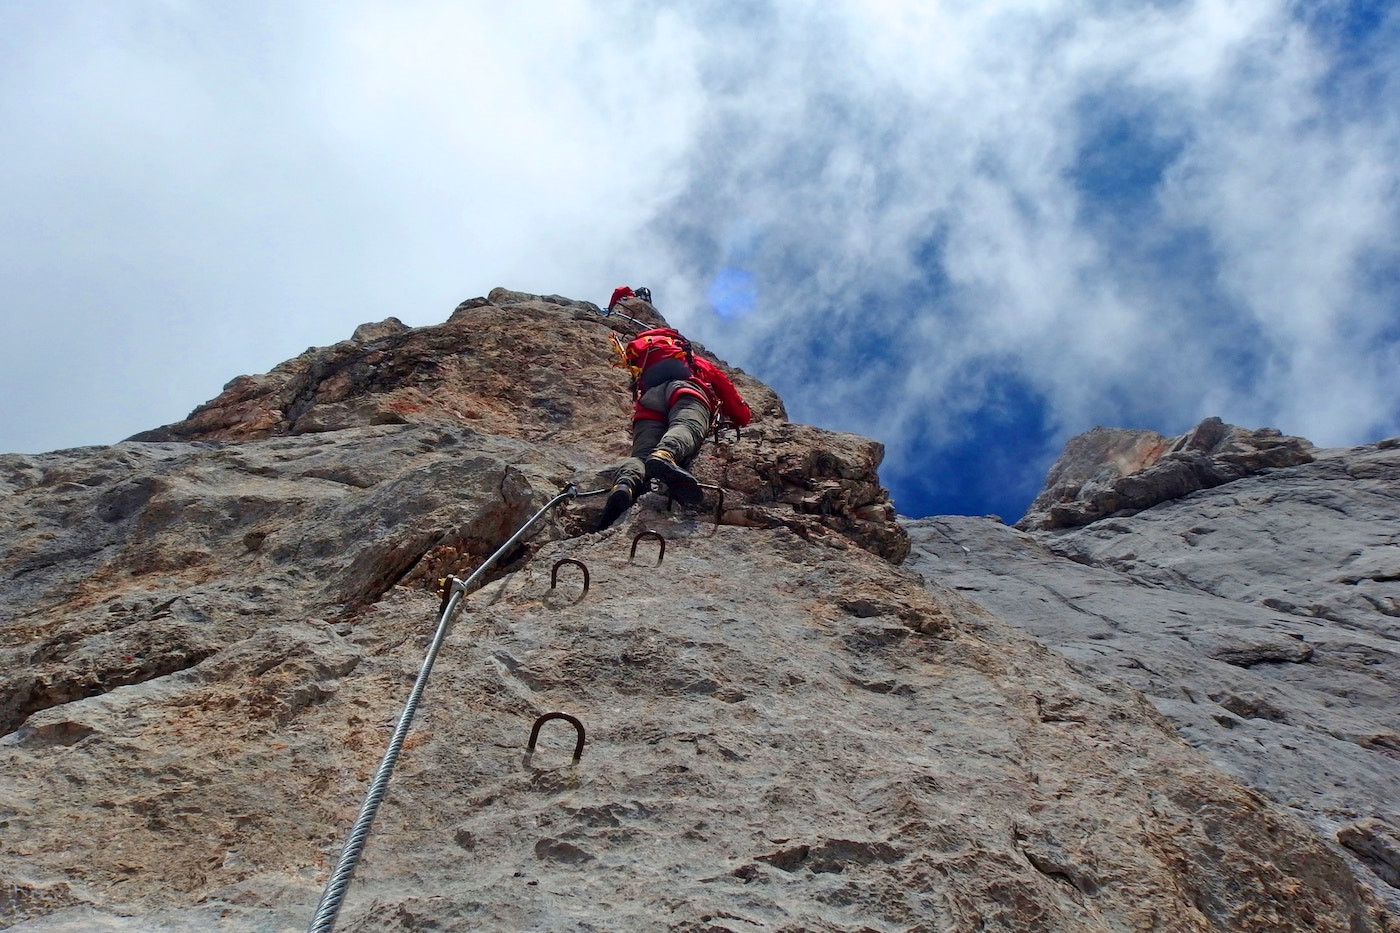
[
  {"x": 1113, "y": 471},
  {"x": 209, "y": 632}
]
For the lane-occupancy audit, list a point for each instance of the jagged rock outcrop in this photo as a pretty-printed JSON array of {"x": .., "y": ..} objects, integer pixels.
[
  {"x": 208, "y": 634},
  {"x": 508, "y": 365},
  {"x": 1113, "y": 471},
  {"x": 1258, "y": 615},
  {"x": 538, "y": 369}
]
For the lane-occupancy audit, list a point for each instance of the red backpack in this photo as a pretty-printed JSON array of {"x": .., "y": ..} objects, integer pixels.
[
  {"x": 663, "y": 343},
  {"x": 651, "y": 347}
]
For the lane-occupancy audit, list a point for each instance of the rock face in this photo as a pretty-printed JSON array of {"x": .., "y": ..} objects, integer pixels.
[
  {"x": 1110, "y": 471},
  {"x": 538, "y": 369},
  {"x": 209, "y": 632},
  {"x": 1258, "y": 615}
]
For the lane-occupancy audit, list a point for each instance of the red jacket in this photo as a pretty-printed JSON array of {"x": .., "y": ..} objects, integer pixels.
[
  {"x": 731, "y": 403},
  {"x": 713, "y": 386}
]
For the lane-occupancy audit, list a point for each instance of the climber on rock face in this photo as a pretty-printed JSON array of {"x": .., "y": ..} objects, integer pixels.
[{"x": 676, "y": 398}]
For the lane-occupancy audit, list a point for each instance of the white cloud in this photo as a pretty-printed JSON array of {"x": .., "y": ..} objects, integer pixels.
[
  {"x": 928, "y": 196},
  {"x": 977, "y": 139}
]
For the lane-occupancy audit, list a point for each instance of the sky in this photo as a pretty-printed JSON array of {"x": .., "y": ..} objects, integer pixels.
[{"x": 968, "y": 229}]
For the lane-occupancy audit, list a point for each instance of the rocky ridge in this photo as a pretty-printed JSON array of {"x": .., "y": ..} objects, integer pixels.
[
  {"x": 1116, "y": 471},
  {"x": 538, "y": 369},
  {"x": 1258, "y": 614},
  {"x": 208, "y": 631}
]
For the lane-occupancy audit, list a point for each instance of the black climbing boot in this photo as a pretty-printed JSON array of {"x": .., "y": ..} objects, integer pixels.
[
  {"x": 619, "y": 500},
  {"x": 683, "y": 487}
]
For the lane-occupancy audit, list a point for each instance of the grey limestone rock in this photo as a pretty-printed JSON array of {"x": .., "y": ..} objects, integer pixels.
[
  {"x": 1112, "y": 471},
  {"x": 1259, "y": 615}
]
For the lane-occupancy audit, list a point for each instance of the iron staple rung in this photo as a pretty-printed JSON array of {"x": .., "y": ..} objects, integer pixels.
[
  {"x": 571, "y": 720},
  {"x": 649, "y": 534},
  {"x": 554, "y": 573}
]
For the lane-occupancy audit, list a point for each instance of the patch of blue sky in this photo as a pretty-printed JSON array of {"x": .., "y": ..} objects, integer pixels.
[
  {"x": 1120, "y": 405},
  {"x": 929, "y": 288},
  {"x": 1347, "y": 23},
  {"x": 837, "y": 346},
  {"x": 1182, "y": 268},
  {"x": 1363, "y": 40},
  {"x": 691, "y": 240},
  {"x": 872, "y": 334},
  {"x": 1381, "y": 276},
  {"x": 856, "y": 352},
  {"x": 1124, "y": 152},
  {"x": 733, "y": 293},
  {"x": 875, "y": 343},
  {"x": 1240, "y": 357},
  {"x": 994, "y": 465},
  {"x": 1127, "y": 146}
]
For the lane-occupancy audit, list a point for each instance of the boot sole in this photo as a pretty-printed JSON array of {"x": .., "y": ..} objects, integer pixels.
[{"x": 681, "y": 485}]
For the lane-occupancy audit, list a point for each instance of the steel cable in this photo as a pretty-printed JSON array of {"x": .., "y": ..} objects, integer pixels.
[{"x": 334, "y": 895}]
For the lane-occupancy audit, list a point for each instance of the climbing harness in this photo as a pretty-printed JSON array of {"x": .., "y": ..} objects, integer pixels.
[
  {"x": 334, "y": 895},
  {"x": 654, "y": 346}
]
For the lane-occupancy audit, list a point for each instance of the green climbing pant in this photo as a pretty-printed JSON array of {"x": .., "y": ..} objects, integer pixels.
[{"x": 680, "y": 434}]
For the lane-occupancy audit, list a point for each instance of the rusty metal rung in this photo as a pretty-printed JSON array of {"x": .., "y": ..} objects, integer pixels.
[
  {"x": 719, "y": 506},
  {"x": 571, "y": 720},
  {"x": 554, "y": 574},
  {"x": 649, "y": 534}
]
